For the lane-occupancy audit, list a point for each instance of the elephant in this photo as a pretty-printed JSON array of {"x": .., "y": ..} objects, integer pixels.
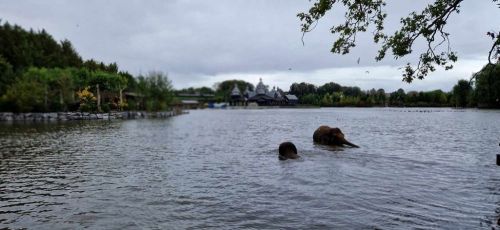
[
  {"x": 287, "y": 150},
  {"x": 331, "y": 136}
]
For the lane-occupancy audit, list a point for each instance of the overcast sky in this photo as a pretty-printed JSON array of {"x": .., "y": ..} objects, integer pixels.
[{"x": 202, "y": 42}]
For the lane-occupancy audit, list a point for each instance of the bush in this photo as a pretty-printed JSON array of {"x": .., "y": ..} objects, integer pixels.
[
  {"x": 132, "y": 105},
  {"x": 105, "y": 108}
]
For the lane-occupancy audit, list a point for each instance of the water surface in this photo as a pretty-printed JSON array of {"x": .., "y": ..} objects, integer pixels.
[{"x": 416, "y": 168}]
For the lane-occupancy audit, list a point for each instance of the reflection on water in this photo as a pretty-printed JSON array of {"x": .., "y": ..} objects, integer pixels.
[{"x": 219, "y": 169}]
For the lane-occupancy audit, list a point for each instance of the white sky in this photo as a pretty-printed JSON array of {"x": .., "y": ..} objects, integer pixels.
[{"x": 201, "y": 42}]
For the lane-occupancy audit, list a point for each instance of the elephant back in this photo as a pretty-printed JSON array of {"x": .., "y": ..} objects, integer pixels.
[{"x": 321, "y": 135}]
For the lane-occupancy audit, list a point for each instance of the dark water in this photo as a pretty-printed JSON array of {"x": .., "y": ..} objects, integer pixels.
[{"x": 219, "y": 169}]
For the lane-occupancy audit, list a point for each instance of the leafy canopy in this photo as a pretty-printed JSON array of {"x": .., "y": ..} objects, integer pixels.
[{"x": 427, "y": 25}]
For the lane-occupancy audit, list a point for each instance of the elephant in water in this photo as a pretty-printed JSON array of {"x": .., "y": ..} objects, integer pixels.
[
  {"x": 287, "y": 150},
  {"x": 331, "y": 136}
]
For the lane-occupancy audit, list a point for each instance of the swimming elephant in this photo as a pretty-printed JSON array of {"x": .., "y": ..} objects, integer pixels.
[
  {"x": 287, "y": 150},
  {"x": 331, "y": 136}
]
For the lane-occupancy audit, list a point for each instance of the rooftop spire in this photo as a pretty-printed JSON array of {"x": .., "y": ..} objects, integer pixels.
[
  {"x": 236, "y": 90},
  {"x": 260, "y": 88}
]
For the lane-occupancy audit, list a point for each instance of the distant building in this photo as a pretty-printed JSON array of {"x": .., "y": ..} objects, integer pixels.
[
  {"x": 237, "y": 99},
  {"x": 261, "y": 96},
  {"x": 190, "y": 104},
  {"x": 291, "y": 99}
]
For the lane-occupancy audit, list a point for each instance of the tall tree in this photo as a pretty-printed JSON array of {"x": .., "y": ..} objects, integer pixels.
[
  {"x": 329, "y": 87},
  {"x": 302, "y": 89},
  {"x": 6, "y": 75},
  {"x": 69, "y": 54},
  {"x": 461, "y": 93},
  {"x": 488, "y": 86},
  {"x": 223, "y": 89},
  {"x": 157, "y": 89}
]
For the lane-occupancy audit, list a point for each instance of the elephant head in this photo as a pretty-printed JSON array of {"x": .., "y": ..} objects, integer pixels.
[
  {"x": 331, "y": 136},
  {"x": 287, "y": 150}
]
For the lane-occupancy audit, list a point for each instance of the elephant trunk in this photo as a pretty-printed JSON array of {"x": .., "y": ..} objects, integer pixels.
[{"x": 346, "y": 142}]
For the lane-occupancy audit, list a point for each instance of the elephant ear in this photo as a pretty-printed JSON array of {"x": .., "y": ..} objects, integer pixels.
[
  {"x": 336, "y": 136},
  {"x": 294, "y": 149},
  {"x": 336, "y": 132}
]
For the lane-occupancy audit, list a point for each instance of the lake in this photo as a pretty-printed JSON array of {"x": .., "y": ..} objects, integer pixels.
[{"x": 416, "y": 168}]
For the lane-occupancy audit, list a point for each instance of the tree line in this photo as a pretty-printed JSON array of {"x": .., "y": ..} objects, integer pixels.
[
  {"x": 39, "y": 74},
  {"x": 219, "y": 92},
  {"x": 482, "y": 90}
]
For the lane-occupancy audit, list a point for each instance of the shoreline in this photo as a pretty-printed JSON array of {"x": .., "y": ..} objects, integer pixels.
[
  {"x": 81, "y": 116},
  {"x": 362, "y": 107}
]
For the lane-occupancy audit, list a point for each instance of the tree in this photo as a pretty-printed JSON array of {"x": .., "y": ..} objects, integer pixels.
[
  {"x": 26, "y": 95},
  {"x": 120, "y": 84},
  {"x": 397, "y": 98},
  {"x": 69, "y": 55},
  {"x": 206, "y": 91},
  {"x": 157, "y": 89},
  {"x": 461, "y": 92},
  {"x": 327, "y": 100},
  {"x": 6, "y": 75},
  {"x": 427, "y": 25},
  {"x": 310, "y": 99},
  {"x": 202, "y": 91},
  {"x": 303, "y": 88},
  {"x": 24, "y": 49},
  {"x": 352, "y": 91},
  {"x": 381, "y": 98},
  {"x": 223, "y": 89},
  {"x": 488, "y": 86},
  {"x": 131, "y": 81},
  {"x": 58, "y": 88},
  {"x": 37, "y": 73},
  {"x": 329, "y": 87}
]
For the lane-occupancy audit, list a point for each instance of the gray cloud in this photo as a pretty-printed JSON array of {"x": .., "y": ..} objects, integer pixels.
[{"x": 204, "y": 41}]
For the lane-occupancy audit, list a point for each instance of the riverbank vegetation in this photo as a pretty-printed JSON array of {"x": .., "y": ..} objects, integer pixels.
[
  {"x": 39, "y": 74},
  {"x": 482, "y": 91},
  {"x": 335, "y": 95}
]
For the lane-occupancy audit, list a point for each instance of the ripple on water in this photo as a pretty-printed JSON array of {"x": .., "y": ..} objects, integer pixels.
[{"x": 219, "y": 169}]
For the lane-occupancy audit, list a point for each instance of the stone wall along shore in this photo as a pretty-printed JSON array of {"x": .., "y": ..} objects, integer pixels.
[{"x": 68, "y": 116}]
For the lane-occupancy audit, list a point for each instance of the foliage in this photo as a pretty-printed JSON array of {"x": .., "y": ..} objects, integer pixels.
[
  {"x": 88, "y": 102},
  {"x": 223, "y": 89},
  {"x": 302, "y": 89},
  {"x": 397, "y": 98},
  {"x": 60, "y": 86},
  {"x": 333, "y": 94},
  {"x": 495, "y": 48},
  {"x": 55, "y": 69},
  {"x": 461, "y": 93},
  {"x": 309, "y": 99},
  {"x": 157, "y": 90},
  {"x": 23, "y": 49},
  {"x": 200, "y": 91},
  {"x": 350, "y": 101},
  {"x": 434, "y": 98},
  {"x": 6, "y": 74},
  {"x": 26, "y": 95},
  {"x": 329, "y": 87},
  {"x": 427, "y": 25},
  {"x": 488, "y": 86}
]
